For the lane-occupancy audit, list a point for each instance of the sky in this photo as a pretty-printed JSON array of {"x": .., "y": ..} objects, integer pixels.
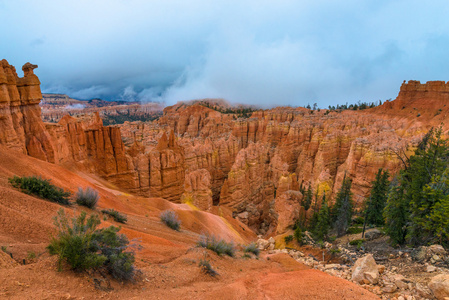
[{"x": 267, "y": 53}]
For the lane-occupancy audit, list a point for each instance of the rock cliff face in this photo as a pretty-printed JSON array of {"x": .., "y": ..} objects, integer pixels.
[
  {"x": 83, "y": 142},
  {"x": 206, "y": 155},
  {"x": 255, "y": 165},
  {"x": 20, "y": 120}
]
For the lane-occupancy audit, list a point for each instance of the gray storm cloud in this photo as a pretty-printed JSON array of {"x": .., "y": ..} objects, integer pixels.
[{"x": 259, "y": 52}]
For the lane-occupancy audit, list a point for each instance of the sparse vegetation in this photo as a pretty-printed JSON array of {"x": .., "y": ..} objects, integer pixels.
[
  {"x": 207, "y": 268},
  {"x": 169, "y": 218},
  {"x": 88, "y": 197},
  {"x": 252, "y": 248},
  {"x": 31, "y": 255},
  {"x": 218, "y": 246},
  {"x": 358, "y": 243},
  {"x": 84, "y": 247},
  {"x": 40, "y": 187},
  {"x": 354, "y": 230},
  {"x": 121, "y": 118},
  {"x": 298, "y": 235},
  {"x": 4, "y": 249},
  {"x": 288, "y": 238},
  {"x": 117, "y": 216}
]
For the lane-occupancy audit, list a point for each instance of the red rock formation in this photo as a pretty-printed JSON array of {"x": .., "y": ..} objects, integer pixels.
[
  {"x": 20, "y": 124},
  {"x": 167, "y": 170},
  {"x": 254, "y": 166},
  {"x": 85, "y": 142}
]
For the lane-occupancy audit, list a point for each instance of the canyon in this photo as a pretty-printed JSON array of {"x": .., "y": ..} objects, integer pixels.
[
  {"x": 199, "y": 153},
  {"x": 235, "y": 172}
]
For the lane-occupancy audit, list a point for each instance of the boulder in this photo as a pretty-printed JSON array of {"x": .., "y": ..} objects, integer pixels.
[
  {"x": 436, "y": 249},
  {"x": 372, "y": 234},
  {"x": 423, "y": 291},
  {"x": 439, "y": 285},
  {"x": 365, "y": 268},
  {"x": 262, "y": 244}
]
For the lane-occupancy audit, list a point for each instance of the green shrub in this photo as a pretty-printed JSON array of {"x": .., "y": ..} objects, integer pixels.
[
  {"x": 335, "y": 250},
  {"x": 4, "y": 249},
  {"x": 84, "y": 247},
  {"x": 40, "y": 187},
  {"x": 31, "y": 255},
  {"x": 288, "y": 238},
  {"x": 358, "y": 243},
  {"x": 88, "y": 197},
  {"x": 354, "y": 230},
  {"x": 252, "y": 248},
  {"x": 218, "y": 246},
  {"x": 207, "y": 268},
  {"x": 169, "y": 218},
  {"x": 117, "y": 216},
  {"x": 358, "y": 221},
  {"x": 298, "y": 235}
]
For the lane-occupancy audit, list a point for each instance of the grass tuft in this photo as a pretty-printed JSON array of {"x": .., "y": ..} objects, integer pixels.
[
  {"x": 170, "y": 218},
  {"x": 218, "y": 246}
]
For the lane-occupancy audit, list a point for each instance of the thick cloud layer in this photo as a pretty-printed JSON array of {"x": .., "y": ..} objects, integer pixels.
[{"x": 260, "y": 52}]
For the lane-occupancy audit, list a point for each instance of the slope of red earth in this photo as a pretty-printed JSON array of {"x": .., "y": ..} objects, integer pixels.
[{"x": 168, "y": 259}]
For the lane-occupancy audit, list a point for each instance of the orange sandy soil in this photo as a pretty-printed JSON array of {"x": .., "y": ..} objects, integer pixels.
[{"x": 168, "y": 259}]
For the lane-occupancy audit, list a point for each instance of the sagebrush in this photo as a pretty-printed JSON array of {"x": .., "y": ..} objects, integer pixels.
[
  {"x": 170, "y": 218},
  {"x": 40, "y": 187},
  {"x": 88, "y": 197},
  {"x": 207, "y": 268},
  {"x": 84, "y": 247},
  {"x": 117, "y": 216},
  {"x": 252, "y": 248},
  {"x": 219, "y": 246}
]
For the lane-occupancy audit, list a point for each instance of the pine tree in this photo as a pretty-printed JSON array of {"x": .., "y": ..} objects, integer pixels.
[
  {"x": 313, "y": 222},
  {"x": 307, "y": 199},
  {"x": 342, "y": 209},
  {"x": 378, "y": 198},
  {"x": 323, "y": 223},
  {"x": 396, "y": 213},
  {"x": 436, "y": 224},
  {"x": 418, "y": 199},
  {"x": 430, "y": 160}
]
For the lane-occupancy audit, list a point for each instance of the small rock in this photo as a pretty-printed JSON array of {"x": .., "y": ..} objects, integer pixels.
[
  {"x": 332, "y": 266},
  {"x": 271, "y": 240},
  {"x": 430, "y": 269},
  {"x": 390, "y": 288},
  {"x": 437, "y": 249},
  {"x": 439, "y": 285},
  {"x": 381, "y": 269}
]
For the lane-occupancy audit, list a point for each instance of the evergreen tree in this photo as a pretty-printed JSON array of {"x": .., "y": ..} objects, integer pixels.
[
  {"x": 435, "y": 226},
  {"x": 323, "y": 223},
  {"x": 396, "y": 213},
  {"x": 430, "y": 160},
  {"x": 378, "y": 198},
  {"x": 314, "y": 219},
  {"x": 307, "y": 199},
  {"x": 342, "y": 209},
  {"x": 415, "y": 205}
]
